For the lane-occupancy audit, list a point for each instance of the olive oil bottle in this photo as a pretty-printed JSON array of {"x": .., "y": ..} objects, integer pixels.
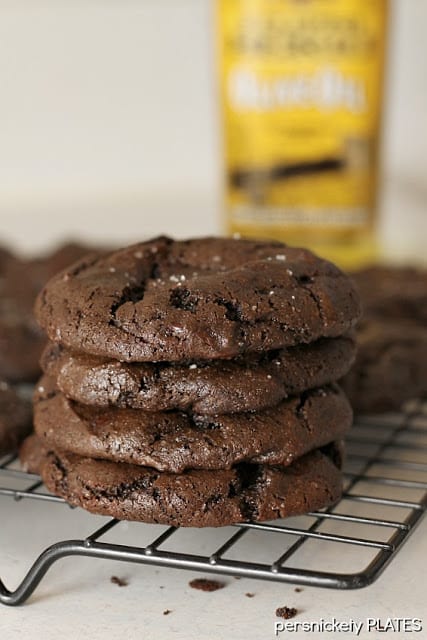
[{"x": 301, "y": 92}]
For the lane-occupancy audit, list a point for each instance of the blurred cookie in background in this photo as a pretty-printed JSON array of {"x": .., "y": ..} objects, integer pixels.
[
  {"x": 391, "y": 363},
  {"x": 15, "y": 418},
  {"x": 393, "y": 292},
  {"x": 21, "y": 339}
]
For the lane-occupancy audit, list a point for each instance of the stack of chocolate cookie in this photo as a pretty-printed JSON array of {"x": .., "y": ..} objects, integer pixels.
[{"x": 192, "y": 382}]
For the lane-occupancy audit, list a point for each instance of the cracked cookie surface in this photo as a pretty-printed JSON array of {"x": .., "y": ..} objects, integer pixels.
[
  {"x": 175, "y": 441},
  {"x": 196, "y": 498},
  {"x": 206, "y": 298},
  {"x": 249, "y": 383}
]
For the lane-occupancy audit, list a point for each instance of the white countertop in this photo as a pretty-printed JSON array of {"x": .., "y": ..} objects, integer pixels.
[{"x": 76, "y": 599}]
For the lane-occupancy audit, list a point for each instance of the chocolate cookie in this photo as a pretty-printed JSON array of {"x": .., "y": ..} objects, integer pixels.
[
  {"x": 21, "y": 339},
  {"x": 5, "y": 257},
  {"x": 45, "y": 267},
  {"x": 31, "y": 454},
  {"x": 248, "y": 383},
  {"x": 208, "y": 298},
  {"x": 15, "y": 419},
  {"x": 18, "y": 330},
  {"x": 393, "y": 292},
  {"x": 248, "y": 492},
  {"x": 390, "y": 367},
  {"x": 174, "y": 441}
]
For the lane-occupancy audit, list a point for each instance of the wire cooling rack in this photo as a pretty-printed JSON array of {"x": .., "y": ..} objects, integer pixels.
[{"x": 346, "y": 546}]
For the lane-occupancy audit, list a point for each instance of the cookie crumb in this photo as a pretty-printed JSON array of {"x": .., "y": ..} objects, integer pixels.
[
  {"x": 120, "y": 582},
  {"x": 166, "y": 612},
  {"x": 249, "y": 595},
  {"x": 206, "y": 585},
  {"x": 298, "y": 589},
  {"x": 286, "y": 612}
]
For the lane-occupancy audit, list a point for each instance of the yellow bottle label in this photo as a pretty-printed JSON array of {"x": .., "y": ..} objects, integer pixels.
[{"x": 301, "y": 84}]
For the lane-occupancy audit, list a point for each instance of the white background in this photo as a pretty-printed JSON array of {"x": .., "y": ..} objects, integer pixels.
[{"x": 109, "y": 124}]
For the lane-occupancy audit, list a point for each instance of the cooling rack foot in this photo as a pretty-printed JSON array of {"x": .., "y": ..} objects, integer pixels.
[{"x": 38, "y": 570}]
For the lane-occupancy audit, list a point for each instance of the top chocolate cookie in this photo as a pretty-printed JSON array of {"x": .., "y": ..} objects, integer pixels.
[{"x": 204, "y": 298}]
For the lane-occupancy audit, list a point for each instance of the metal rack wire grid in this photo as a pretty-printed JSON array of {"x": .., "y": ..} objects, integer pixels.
[{"x": 385, "y": 497}]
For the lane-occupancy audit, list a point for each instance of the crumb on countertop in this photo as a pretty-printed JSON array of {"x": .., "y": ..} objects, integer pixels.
[
  {"x": 121, "y": 582},
  {"x": 206, "y": 585},
  {"x": 286, "y": 612}
]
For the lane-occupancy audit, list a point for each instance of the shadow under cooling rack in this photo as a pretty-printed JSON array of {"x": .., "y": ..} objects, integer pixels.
[{"x": 345, "y": 547}]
